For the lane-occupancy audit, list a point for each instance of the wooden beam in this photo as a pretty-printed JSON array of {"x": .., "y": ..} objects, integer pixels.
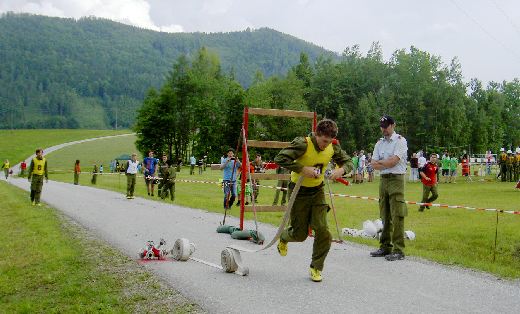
[
  {"x": 270, "y": 176},
  {"x": 265, "y": 208},
  {"x": 267, "y": 144},
  {"x": 280, "y": 113}
]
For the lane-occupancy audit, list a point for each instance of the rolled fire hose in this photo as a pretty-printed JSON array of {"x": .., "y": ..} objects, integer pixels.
[{"x": 230, "y": 256}]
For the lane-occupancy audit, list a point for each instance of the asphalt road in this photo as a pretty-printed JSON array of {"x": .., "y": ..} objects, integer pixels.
[{"x": 353, "y": 281}]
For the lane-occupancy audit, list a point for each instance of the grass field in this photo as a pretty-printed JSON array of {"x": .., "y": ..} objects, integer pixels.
[
  {"x": 16, "y": 145},
  {"x": 449, "y": 236}
]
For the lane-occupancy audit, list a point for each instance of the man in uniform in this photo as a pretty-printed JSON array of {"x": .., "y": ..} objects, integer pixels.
[
  {"x": 131, "y": 173},
  {"x": 502, "y": 164},
  {"x": 509, "y": 165},
  {"x": 282, "y": 187},
  {"x": 390, "y": 158},
  {"x": 258, "y": 166},
  {"x": 309, "y": 157},
  {"x": 163, "y": 172},
  {"x": 37, "y": 171},
  {"x": 516, "y": 166},
  {"x": 168, "y": 180}
]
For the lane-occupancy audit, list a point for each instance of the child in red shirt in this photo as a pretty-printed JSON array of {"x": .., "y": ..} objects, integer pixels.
[{"x": 428, "y": 175}]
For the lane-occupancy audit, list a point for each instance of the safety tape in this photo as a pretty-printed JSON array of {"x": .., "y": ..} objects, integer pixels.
[{"x": 513, "y": 212}]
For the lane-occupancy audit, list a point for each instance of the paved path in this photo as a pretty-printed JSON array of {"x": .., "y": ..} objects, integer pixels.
[{"x": 353, "y": 281}]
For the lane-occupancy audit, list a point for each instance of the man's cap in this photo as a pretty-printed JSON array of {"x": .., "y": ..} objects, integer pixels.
[
  {"x": 385, "y": 121},
  {"x": 518, "y": 150},
  {"x": 509, "y": 151},
  {"x": 230, "y": 150},
  {"x": 502, "y": 149}
]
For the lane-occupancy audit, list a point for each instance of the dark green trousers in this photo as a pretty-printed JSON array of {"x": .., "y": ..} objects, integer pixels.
[
  {"x": 281, "y": 184},
  {"x": 392, "y": 209},
  {"x": 76, "y": 178},
  {"x": 426, "y": 198},
  {"x": 36, "y": 187},
  {"x": 130, "y": 184},
  {"x": 310, "y": 209},
  {"x": 168, "y": 187}
]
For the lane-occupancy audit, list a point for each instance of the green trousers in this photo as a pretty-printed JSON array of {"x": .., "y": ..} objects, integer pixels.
[
  {"x": 76, "y": 178},
  {"x": 392, "y": 209},
  {"x": 168, "y": 188},
  {"x": 426, "y": 198},
  {"x": 310, "y": 210},
  {"x": 281, "y": 184},
  {"x": 130, "y": 184},
  {"x": 503, "y": 172},
  {"x": 36, "y": 187}
]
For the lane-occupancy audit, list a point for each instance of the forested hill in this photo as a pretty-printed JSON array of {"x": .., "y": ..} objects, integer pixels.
[{"x": 94, "y": 73}]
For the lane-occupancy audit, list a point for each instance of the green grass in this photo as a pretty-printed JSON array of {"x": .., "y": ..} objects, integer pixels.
[
  {"x": 449, "y": 236},
  {"x": 50, "y": 265},
  {"x": 16, "y": 145}
]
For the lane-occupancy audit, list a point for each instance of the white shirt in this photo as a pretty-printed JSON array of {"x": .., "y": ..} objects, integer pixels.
[
  {"x": 132, "y": 167},
  {"x": 385, "y": 148},
  {"x": 421, "y": 161}
]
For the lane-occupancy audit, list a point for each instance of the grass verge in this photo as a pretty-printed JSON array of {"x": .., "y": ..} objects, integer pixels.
[{"x": 50, "y": 264}]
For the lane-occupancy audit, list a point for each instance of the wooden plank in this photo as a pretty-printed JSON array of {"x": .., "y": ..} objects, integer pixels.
[
  {"x": 280, "y": 113},
  {"x": 270, "y": 176},
  {"x": 265, "y": 208},
  {"x": 215, "y": 166},
  {"x": 267, "y": 144}
]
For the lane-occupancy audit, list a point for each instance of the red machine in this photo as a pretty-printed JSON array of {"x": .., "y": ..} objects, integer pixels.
[{"x": 150, "y": 251}]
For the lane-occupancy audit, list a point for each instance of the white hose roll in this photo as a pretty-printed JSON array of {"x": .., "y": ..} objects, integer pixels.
[
  {"x": 182, "y": 249},
  {"x": 227, "y": 260}
]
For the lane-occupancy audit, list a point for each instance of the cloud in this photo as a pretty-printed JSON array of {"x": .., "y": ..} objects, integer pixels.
[{"x": 132, "y": 12}]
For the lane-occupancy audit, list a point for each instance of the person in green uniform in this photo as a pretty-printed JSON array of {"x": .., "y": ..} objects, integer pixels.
[
  {"x": 390, "y": 158},
  {"x": 131, "y": 173},
  {"x": 308, "y": 157},
  {"x": 445, "y": 166},
  {"x": 37, "y": 171},
  {"x": 502, "y": 164},
  {"x": 509, "y": 165},
  {"x": 282, "y": 187},
  {"x": 454, "y": 163},
  {"x": 163, "y": 171},
  {"x": 95, "y": 174},
  {"x": 516, "y": 165},
  {"x": 6, "y": 166},
  {"x": 77, "y": 171},
  {"x": 355, "y": 165},
  {"x": 168, "y": 181}
]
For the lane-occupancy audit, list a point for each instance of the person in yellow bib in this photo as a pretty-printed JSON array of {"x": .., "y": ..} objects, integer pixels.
[
  {"x": 37, "y": 171},
  {"x": 309, "y": 157},
  {"x": 6, "y": 166}
]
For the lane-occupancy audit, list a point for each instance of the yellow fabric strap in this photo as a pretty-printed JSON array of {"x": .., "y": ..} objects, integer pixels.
[{"x": 314, "y": 158}]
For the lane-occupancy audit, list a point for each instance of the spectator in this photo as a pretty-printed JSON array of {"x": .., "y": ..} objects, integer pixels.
[
  {"x": 414, "y": 168},
  {"x": 258, "y": 165},
  {"x": 454, "y": 162},
  {"x": 149, "y": 167},
  {"x": 23, "y": 167},
  {"x": 445, "y": 163},
  {"x": 193, "y": 162},
  {"x": 355, "y": 163},
  {"x": 421, "y": 161},
  {"x": 230, "y": 166},
  {"x": 390, "y": 158},
  {"x": 370, "y": 169},
  {"x": 131, "y": 173},
  {"x": 428, "y": 175},
  {"x": 282, "y": 187},
  {"x": 361, "y": 166},
  {"x": 77, "y": 171}
]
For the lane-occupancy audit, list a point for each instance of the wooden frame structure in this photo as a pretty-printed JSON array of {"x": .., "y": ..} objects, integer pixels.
[{"x": 265, "y": 144}]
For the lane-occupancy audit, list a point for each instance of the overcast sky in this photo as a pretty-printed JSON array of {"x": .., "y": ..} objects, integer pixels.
[{"x": 483, "y": 34}]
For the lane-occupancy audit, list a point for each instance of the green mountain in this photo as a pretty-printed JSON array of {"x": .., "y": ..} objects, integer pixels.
[{"x": 94, "y": 73}]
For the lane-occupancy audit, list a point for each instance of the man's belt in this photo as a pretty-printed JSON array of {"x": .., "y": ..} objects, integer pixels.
[{"x": 391, "y": 175}]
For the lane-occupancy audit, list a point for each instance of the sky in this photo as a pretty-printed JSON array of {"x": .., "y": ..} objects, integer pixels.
[{"x": 483, "y": 34}]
